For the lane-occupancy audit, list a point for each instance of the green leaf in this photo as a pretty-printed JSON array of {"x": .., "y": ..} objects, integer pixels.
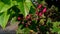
[
  {"x": 39, "y": 1},
  {"x": 23, "y": 31},
  {"x": 4, "y": 19},
  {"x": 6, "y": 2},
  {"x": 56, "y": 26},
  {"x": 19, "y": 30},
  {"x": 49, "y": 20},
  {"x": 32, "y": 10},
  {"x": 5, "y": 5},
  {"x": 26, "y": 30},
  {"x": 25, "y": 7}
]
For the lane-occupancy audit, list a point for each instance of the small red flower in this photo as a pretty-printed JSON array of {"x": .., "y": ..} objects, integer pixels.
[
  {"x": 28, "y": 16},
  {"x": 19, "y": 18},
  {"x": 22, "y": 22},
  {"x": 44, "y": 10},
  {"x": 39, "y": 6},
  {"x": 40, "y": 14}
]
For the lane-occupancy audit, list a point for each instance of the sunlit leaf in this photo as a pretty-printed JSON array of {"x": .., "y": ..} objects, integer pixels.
[
  {"x": 56, "y": 26},
  {"x": 25, "y": 7},
  {"x": 4, "y": 19}
]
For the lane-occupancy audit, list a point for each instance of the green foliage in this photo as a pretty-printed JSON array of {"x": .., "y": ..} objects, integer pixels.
[
  {"x": 25, "y": 6},
  {"x": 56, "y": 27},
  {"x": 5, "y": 5},
  {"x": 4, "y": 19},
  {"x": 32, "y": 10},
  {"x": 10, "y": 10}
]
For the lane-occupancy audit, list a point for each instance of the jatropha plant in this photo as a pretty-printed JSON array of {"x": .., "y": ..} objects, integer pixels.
[
  {"x": 30, "y": 16},
  {"x": 33, "y": 21},
  {"x": 38, "y": 21}
]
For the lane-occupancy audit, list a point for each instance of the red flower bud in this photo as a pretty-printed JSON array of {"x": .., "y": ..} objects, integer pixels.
[
  {"x": 19, "y": 18},
  {"x": 39, "y": 6},
  {"x": 44, "y": 10},
  {"x": 22, "y": 22},
  {"x": 28, "y": 16},
  {"x": 40, "y": 14}
]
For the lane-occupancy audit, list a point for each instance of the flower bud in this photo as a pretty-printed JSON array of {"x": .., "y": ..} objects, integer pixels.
[
  {"x": 39, "y": 6},
  {"x": 40, "y": 14},
  {"x": 28, "y": 16},
  {"x": 44, "y": 10},
  {"x": 19, "y": 18}
]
